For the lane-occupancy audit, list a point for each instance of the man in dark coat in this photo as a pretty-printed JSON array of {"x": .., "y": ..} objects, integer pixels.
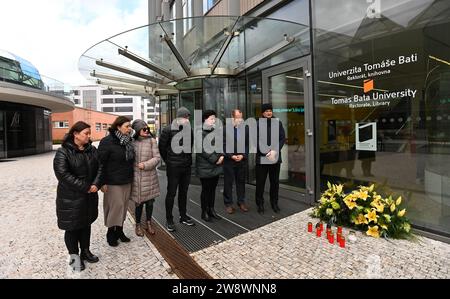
[
  {"x": 268, "y": 161},
  {"x": 178, "y": 167},
  {"x": 235, "y": 163}
]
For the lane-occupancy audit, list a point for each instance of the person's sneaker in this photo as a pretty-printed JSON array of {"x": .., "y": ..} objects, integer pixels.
[
  {"x": 170, "y": 226},
  {"x": 187, "y": 221}
]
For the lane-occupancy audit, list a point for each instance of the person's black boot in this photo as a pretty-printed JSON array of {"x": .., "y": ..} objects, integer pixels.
[
  {"x": 205, "y": 216},
  {"x": 111, "y": 237},
  {"x": 260, "y": 209},
  {"x": 213, "y": 214},
  {"x": 275, "y": 207},
  {"x": 86, "y": 255},
  {"x": 121, "y": 235}
]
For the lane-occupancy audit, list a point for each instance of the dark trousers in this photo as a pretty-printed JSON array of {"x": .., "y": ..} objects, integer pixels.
[
  {"x": 177, "y": 178},
  {"x": 208, "y": 195},
  {"x": 148, "y": 210},
  {"x": 234, "y": 173},
  {"x": 273, "y": 170},
  {"x": 75, "y": 237}
]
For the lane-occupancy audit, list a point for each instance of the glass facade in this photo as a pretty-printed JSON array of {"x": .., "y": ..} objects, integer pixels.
[
  {"x": 382, "y": 90},
  {"x": 24, "y": 130},
  {"x": 362, "y": 89}
]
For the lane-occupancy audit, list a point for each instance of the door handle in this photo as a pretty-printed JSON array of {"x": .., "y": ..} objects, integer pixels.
[{"x": 309, "y": 133}]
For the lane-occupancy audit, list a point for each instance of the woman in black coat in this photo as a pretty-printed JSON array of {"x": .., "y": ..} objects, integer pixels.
[
  {"x": 209, "y": 167},
  {"x": 77, "y": 168},
  {"x": 116, "y": 153}
]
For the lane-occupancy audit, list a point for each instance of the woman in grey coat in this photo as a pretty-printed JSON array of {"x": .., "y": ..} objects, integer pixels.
[{"x": 145, "y": 186}]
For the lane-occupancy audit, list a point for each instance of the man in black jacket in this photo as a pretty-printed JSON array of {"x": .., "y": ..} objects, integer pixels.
[
  {"x": 179, "y": 162},
  {"x": 268, "y": 160},
  {"x": 234, "y": 167}
]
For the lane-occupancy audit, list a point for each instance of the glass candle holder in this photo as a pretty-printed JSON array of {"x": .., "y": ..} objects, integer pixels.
[
  {"x": 310, "y": 227},
  {"x": 318, "y": 232},
  {"x": 342, "y": 242}
]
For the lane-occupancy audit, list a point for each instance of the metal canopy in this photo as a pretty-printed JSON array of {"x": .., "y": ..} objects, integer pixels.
[{"x": 166, "y": 53}]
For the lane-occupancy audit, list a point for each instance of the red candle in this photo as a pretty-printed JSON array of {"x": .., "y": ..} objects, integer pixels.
[
  {"x": 342, "y": 243},
  {"x": 318, "y": 232},
  {"x": 340, "y": 229},
  {"x": 339, "y": 237},
  {"x": 331, "y": 239},
  {"x": 321, "y": 226},
  {"x": 310, "y": 229}
]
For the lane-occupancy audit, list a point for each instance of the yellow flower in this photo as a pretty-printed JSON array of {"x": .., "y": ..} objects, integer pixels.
[
  {"x": 361, "y": 220},
  {"x": 371, "y": 188},
  {"x": 373, "y": 231},
  {"x": 363, "y": 195},
  {"x": 387, "y": 217},
  {"x": 372, "y": 216},
  {"x": 393, "y": 207},
  {"x": 329, "y": 212},
  {"x": 378, "y": 205},
  {"x": 399, "y": 201},
  {"x": 406, "y": 227},
  {"x": 350, "y": 203},
  {"x": 339, "y": 189},
  {"x": 401, "y": 213},
  {"x": 383, "y": 226}
]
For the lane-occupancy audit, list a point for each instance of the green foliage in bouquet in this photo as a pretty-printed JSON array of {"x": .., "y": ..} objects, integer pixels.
[{"x": 364, "y": 209}]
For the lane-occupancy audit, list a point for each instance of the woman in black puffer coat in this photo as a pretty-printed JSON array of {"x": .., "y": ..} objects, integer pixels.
[
  {"x": 78, "y": 170},
  {"x": 209, "y": 168}
]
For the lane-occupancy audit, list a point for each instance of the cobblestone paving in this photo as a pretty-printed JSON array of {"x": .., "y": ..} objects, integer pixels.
[
  {"x": 285, "y": 249},
  {"x": 32, "y": 246}
]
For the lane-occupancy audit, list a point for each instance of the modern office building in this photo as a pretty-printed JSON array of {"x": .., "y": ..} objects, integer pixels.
[
  {"x": 26, "y": 103},
  {"x": 362, "y": 87},
  {"x": 98, "y": 98}
]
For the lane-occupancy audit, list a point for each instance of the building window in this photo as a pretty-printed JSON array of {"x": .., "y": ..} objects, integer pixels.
[
  {"x": 107, "y": 101},
  {"x": 76, "y": 101},
  {"x": 107, "y": 92},
  {"x": 124, "y": 101},
  {"x": 76, "y": 92},
  {"x": 105, "y": 127},
  {"x": 124, "y": 109},
  {"x": 108, "y": 109},
  {"x": 98, "y": 127},
  {"x": 61, "y": 124}
]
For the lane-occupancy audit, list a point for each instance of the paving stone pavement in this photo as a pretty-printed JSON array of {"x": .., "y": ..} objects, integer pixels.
[
  {"x": 32, "y": 246},
  {"x": 284, "y": 249}
]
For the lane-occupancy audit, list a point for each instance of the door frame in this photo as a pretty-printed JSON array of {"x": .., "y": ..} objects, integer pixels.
[{"x": 305, "y": 64}]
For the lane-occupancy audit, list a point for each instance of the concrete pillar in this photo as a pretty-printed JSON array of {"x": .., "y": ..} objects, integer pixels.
[
  {"x": 197, "y": 8},
  {"x": 165, "y": 8},
  {"x": 151, "y": 11},
  {"x": 179, "y": 23},
  {"x": 234, "y": 7}
]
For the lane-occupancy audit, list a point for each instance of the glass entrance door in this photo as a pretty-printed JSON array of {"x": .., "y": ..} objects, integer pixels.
[{"x": 287, "y": 88}]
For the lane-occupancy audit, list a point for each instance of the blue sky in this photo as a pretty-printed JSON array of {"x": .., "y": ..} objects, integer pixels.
[{"x": 52, "y": 34}]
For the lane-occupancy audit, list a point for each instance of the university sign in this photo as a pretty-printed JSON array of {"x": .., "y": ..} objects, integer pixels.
[{"x": 367, "y": 72}]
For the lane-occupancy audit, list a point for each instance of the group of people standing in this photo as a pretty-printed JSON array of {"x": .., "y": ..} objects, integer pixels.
[{"x": 124, "y": 168}]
